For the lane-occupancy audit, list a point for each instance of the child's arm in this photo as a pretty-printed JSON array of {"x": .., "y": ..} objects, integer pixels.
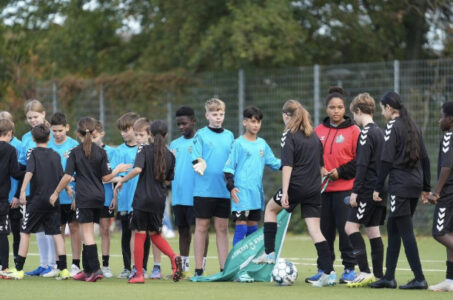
[
  {"x": 270, "y": 160},
  {"x": 119, "y": 169},
  {"x": 229, "y": 170},
  {"x": 23, "y": 188},
  {"x": 61, "y": 185},
  {"x": 135, "y": 171},
  {"x": 199, "y": 164}
]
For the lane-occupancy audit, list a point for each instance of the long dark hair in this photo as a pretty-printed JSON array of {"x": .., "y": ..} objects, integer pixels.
[
  {"x": 411, "y": 139},
  {"x": 85, "y": 128},
  {"x": 159, "y": 130}
]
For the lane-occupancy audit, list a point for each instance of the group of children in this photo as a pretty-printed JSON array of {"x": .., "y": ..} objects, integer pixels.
[{"x": 213, "y": 175}]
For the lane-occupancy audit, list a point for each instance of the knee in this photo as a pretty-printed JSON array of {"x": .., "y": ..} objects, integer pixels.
[{"x": 221, "y": 227}]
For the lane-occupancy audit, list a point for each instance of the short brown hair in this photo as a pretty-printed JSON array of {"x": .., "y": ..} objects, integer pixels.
[
  {"x": 142, "y": 124},
  {"x": 98, "y": 127},
  {"x": 214, "y": 104},
  {"x": 6, "y": 126},
  {"x": 364, "y": 102},
  {"x": 6, "y": 115},
  {"x": 127, "y": 121}
]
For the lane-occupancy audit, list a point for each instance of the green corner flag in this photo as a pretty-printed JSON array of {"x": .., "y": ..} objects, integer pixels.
[{"x": 239, "y": 260}]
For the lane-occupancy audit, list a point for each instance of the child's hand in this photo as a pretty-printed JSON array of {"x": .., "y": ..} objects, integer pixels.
[
  {"x": 353, "y": 200},
  {"x": 234, "y": 195},
  {"x": 73, "y": 205},
  {"x": 70, "y": 191},
  {"x": 200, "y": 166},
  {"x": 15, "y": 202},
  {"x": 123, "y": 168},
  {"x": 431, "y": 198},
  {"x": 113, "y": 204},
  {"x": 53, "y": 199},
  {"x": 118, "y": 187},
  {"x": 333, "y": 174},
  {"x": 22, "y": 198},
  {"x": 376, "y": 197},
  {"x": 285, "y": 200}
]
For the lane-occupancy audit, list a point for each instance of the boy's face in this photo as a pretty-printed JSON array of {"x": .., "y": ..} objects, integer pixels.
[
  {"x": 97, "y": 137},
  {"x": 357, "y": 117},
  {"x": 215, "y": 118},
  {"x": 59, "y": 132},
  {"x": 128, "y": 135},
  {"x": 252, "y": 125},
  {"x": 142, "y": 137},
  {"x": 185, "y": 125},
  {"x": 445, "y": 122},
  {"x": 35, "y": 118}
]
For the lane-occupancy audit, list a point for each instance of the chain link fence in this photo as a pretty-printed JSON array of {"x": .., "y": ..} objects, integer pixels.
[{"x": 424, "y": 85}]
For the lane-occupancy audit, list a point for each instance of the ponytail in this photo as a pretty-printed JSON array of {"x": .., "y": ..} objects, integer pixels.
[
  {"x": 159, "y": 131},
  {"x": 85, "y": 128},
  {"x": 411, "y": 138},
  {"x": 300, "y": 118}
]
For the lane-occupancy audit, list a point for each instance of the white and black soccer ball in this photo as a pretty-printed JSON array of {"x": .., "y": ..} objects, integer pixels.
[{"x": 284, "y": 273}]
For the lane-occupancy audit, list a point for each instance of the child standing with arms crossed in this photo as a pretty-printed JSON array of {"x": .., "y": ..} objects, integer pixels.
[
  {"x": 155, "y": 164},
  {"x": 90, "y": 164},
  {"x": 244, "y": 174},
  {"x": 211, "y": 147}
]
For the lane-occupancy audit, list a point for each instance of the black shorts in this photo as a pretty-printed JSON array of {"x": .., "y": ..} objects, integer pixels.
[
  {"x": 107, "y": 213},
  {"x": 206, "y": 208},
  {"x": 67, "y": 215},
  {"x": 443, "y": 216},
  {"x": 88, "y": 215},
  {"x": 247, "y": 215},
  {"x": 400, "y": 206},
  {"x": 310, "y": 206},
  {"x": 4, "y": 224},
  {"x": 37, "y": 221},
  {"x": 367, "y": 212},
  {"x": 184, "y": 215},
  {"x": 15, "y": 213},
  {"x": 145, "y": 221}
]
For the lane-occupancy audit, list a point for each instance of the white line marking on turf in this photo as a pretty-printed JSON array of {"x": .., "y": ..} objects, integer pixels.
[{"x": 398, "y": 269}]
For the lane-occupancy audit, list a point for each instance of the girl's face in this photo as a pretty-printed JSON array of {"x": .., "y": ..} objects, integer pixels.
[
  {"x": 335, "y": 110},
  {"x": 386, "y": 111},
  {"x": 286, "y": 118},
  {"x": 35, "y": 118}
]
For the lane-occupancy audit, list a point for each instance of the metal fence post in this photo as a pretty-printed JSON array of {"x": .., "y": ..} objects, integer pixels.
[
  {"x": 54, "y": 97},
  {"x": 169, "y": 121},
  {"x": 396, "y": 75},
  {"x": 241, "y": 100},
  {"x": 101, "y": 105},
  {"x": 316, "y": 95}
]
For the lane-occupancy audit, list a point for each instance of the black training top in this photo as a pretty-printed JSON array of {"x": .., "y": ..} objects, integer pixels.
[
  {"x": 9, "y": 167},
  {"x": 403, "y": 181},
  {"x": 368, "y": 158},
  {"x": 88, "y": 175},
  {"x": 150, "y": 194},
  {"x": 45, "y": 164},
  {"x": 304, "y": 155},
  {"x": 446, "y": 161}
]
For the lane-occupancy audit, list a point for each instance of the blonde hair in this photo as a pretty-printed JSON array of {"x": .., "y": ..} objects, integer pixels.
[
  {"x": 364, "y": 102},
  {"x": 142, "y": 124},
  {"x": 34, "y": 105},
  {"x": 6, "y": 126},
  {"x": 6, "y": 115},
  {"x": 300, "y": 118},
  {"x": 214, "y": 104}
]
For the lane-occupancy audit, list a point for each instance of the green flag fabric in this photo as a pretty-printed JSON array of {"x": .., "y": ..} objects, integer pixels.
[{"x": 239, "y": 260}]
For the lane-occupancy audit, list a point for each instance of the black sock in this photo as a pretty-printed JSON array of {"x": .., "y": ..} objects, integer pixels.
[
  {"x": 198, "y": 272},
  {"x": 406, "y": 230},
  {"x": 93, "y": 259},
  {"x": 76, "y": 262},
  {"x": 324, "y": 257},
  {"x": 359, "y": 251},
  {"x": 61, "y": 263},
  {"x": 105, "y": 260},
  {"x": 270, "y": 230},
  {"x": 20, "y": 261},
  {"x": 85, "y": 264},
  {"x": 4, "y": 251},
  {"x": 450, "y": 270},
  {"x": 377, "y": 256},
  {"x": 221, "y": 270}
]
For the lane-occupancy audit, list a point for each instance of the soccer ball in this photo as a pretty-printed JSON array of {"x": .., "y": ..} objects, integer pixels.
[{"x": 284, "y": 273}]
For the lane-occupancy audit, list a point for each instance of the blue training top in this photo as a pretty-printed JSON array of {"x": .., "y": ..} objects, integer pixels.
[
  {"x": 246, "y": 162},
  {"x": 182, "y": 185},
  {"x": 63, "y": 150},
  {"x": 16, "y": 143},
  {"x": 126, "y": 154},
  {"x": 214, "y": 148},
  {"x": 108, "y": 187}
]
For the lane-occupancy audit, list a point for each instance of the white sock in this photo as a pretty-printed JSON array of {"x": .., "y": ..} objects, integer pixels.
[
  {"x": 185, "y": 263},
  {"x": 450, "y": 281},
  {"x": 51, "y": 254},
  {"x": 204, "y": 263},
  {"x": 43, "y": 249}
]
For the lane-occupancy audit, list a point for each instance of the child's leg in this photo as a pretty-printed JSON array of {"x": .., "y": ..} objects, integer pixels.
[
  {"x": 51, "y": 248},
  {"x": 393, "y": 249},
  {"x": 240, "y": 230},
  {"x": 252, "y": 226},
  {"x": 61, "y": 251},
  {"x": 4, "y": 251},
  {"x": 125, "y": 241},
  {"x": 23, "y": 250},
  {"x": 322, "y": 247},
  {"x": 15, "y": 217},
  {"x": 147, "y": 247},
  {"x": 377, "y": 250},
  {"x": 221, "y": 229},
  {"x": 76, "y": 242},
  {"x": 104, "y": 228},
  {"x": 157, "y": 255},
  {"x": 358, "y": 244},
  {"x": 90, "y": 246},
  {"x": 201, "y": 231},
  {"x": 270, "y": 225},
  {"x": 139, "y": 245},
  {"x": 43, "y": 248}
]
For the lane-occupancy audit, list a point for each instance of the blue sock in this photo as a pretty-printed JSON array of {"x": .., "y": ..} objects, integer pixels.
[
  {"x": 251, "y": 229},
  {"x": 239, "y": 233}
]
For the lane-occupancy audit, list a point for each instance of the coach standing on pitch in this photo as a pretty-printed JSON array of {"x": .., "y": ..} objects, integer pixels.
[{"x": 338, "y": 135}]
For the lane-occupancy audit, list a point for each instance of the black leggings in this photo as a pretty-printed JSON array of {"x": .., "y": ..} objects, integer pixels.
[{"x": 126, "y": 236}]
